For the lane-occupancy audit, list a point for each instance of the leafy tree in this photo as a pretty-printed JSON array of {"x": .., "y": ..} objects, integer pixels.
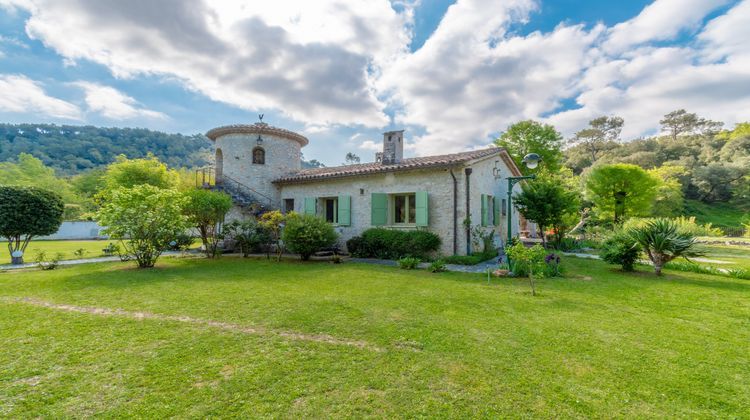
[
  {"x": 205, "y": 210},
  {"x": 530, "y": 136},
  {"x": 715, "y": 181},
  {"x": 681, "y": 122},
  {"x": 29, "y": 171},
  {"x": 620, "y": 190},
  {"x": 307, "y": 234},
  {"x": 741, "y": 130},
  {"x": 546, "y": 201},
  {"x": 273, "y": 223},
  {"x": 663, "y": 241},
  {"x": 670, "y": 199},
  {"x": 351, "y": 158},
  {"x": 128, "y": 173},
  {"x": 145, "y": 218},
  {"x": 26, "y": 212},
  {"x": 528, "y": 261},
  {"x": 599, "y": 136}
]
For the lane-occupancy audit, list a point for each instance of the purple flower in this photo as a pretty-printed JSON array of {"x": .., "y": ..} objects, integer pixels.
[{"x": 552, "y": 258}]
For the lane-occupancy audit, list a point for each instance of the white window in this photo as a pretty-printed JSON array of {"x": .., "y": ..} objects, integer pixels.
[{"x": 404, "y": 208}]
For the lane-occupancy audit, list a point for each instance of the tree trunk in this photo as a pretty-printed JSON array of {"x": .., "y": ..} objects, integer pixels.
[
  {"x": 531, "y": 281},
  {"x": 657, "y": 268}
]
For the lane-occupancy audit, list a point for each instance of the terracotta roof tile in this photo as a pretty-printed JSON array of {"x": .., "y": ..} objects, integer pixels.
[{"x": 376, "y": 167}]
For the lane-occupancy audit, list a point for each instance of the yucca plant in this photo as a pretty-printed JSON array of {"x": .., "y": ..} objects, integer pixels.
[{"x": 662, "y": 241}]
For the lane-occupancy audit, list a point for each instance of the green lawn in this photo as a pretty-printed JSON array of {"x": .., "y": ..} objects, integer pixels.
[
  {"x": 733, "y": 256},
  {"x": 720, "y": 214},
  {"x": 234, "y": 337},
  {"x": 92, "y": 249}
]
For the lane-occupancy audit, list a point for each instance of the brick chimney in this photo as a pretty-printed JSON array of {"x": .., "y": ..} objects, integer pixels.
[{"x": 393, "y": 147}]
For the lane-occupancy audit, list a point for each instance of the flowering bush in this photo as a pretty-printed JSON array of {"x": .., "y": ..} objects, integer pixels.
[{"x": 552, "y": 266}]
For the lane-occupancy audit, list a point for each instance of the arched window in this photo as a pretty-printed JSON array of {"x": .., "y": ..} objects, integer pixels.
[{"x": 259, "y": 156}]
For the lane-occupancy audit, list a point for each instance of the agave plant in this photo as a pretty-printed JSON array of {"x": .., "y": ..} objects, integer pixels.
[{"x": 662, "y": 241}]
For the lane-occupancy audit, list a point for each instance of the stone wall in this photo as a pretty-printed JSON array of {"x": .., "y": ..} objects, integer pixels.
[
  {"x": 282, "y": 158},
  {"x": 437, "y": 182}
]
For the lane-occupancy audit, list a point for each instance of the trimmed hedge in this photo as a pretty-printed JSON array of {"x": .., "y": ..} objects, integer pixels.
[{"x": 393, "y": 244}]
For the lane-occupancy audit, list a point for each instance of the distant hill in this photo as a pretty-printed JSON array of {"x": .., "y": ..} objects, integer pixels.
[{"x": 71, "y": 149}]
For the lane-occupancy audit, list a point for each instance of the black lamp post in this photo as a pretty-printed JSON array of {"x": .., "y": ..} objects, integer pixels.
[{"x": 531, "y": 161}]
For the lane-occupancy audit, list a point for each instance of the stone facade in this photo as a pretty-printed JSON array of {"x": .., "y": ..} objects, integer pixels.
[
  {"x": 437, "y": 183},
  {"x": 446, "y": 195}
]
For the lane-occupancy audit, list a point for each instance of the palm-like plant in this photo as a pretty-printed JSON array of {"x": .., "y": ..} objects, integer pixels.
[{"x": 662, "y": 241}]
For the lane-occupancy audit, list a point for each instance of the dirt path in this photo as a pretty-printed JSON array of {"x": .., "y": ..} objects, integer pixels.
[{"x": 254, "y": 330}]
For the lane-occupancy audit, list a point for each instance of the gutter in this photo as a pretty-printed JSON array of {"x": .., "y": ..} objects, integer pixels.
[
  {"x": 468, "y": 172},
  {"x": 455, "y": 212}
]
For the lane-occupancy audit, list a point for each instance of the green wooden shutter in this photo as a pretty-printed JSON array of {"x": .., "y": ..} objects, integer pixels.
[
  {"x": 310, "y": 206},
  {"x": 422, "y": 206},
  {"x": 484, "y": 209},
  {"x": 345, "y": 210},
  {"x": 379, "y": 209},
  {"x": 498, "y": 208}
]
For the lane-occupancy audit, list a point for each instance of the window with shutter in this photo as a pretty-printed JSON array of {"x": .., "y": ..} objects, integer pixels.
[
  {"x": 310, "y": 206},
  {"x": 344, "y": 210},
  {"x": 422, "y": 205},
  {"x": 379, "y": 209}
]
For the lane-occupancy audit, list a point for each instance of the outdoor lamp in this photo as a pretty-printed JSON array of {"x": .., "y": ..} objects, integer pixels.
[
  {"x": 259, "y": 140},
  {"x": 532, "y": 160}
]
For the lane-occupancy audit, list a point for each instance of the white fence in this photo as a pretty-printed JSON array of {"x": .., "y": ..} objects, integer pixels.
[{"x": 77, "y": 230}]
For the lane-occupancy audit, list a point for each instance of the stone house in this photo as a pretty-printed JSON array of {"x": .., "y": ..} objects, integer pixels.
[{"x": 260, "y": 166}]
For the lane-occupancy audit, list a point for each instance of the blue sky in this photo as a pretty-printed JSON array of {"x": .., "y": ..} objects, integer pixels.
[{"x": 454, "y": 75}]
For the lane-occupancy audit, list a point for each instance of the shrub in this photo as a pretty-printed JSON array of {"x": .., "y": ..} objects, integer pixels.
[
  {"x": 552, "y": 267},
  {"x": 393, "y": 244},
  {"x": 356, "y": 247},
  {"x": 307, "y": 234},
  {"x": 621, "y": 249},
  {"x": 662, "y": 241},
  {"x": 408, "y": 263},
  {"x": 739, "y": 273},
  {"x": 569, "y": 244},
  {"x": 437, "y": 266},
  {"x": 182, "y": 242},
  {"x": 111, "y": 249},
  {"x": 247, "y": 234},
  {"x": 272, "y": 223},
  {"x": 46, "y": 262}
]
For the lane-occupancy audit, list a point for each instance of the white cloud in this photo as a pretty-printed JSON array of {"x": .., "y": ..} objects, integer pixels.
[
  {"x": 332, "y": 64},
  {"x": 113, "y": 104},
  {"x": 23, "y": 95},
  {"x": 661, "y": 20},
  {"x": 313, "y": 61},
  {"x": 371, "y": 146},
  {"x": 709, "y": 77},
  {"x": 471, "y": 79}
]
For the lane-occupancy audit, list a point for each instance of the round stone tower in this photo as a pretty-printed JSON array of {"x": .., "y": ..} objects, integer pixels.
[{"x": 252, "y": 156}]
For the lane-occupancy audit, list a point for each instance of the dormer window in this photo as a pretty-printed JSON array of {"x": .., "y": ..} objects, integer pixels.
[{"x": 259, "y": 156}]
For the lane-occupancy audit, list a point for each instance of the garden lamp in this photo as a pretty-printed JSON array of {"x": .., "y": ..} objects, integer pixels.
[{"x": 531, "y": 161}]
